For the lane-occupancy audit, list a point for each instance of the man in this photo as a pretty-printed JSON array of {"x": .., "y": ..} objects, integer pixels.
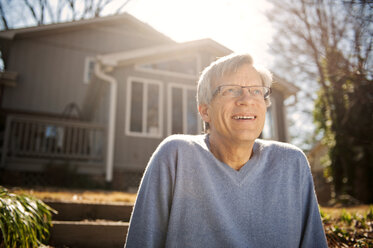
[{"x": 227, "y": 188}]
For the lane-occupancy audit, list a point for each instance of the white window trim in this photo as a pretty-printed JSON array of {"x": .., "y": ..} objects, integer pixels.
[
  {"x": 144, "y": 134},
  {"x": 184, "y": 88},
  {"x": 87, "y": 62},
  {"x": 169, "y": 73}
]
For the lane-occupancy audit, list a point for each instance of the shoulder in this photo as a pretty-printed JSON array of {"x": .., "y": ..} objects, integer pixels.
[
  {"x": 282, "y": 150},
  {"x": 174, "y": 149},
  {"x": 286, "y": 157},
  {"x": 174, "y": 143},
  {"x": 278, "y": 146},
  {"x": 178, "y": 140}
]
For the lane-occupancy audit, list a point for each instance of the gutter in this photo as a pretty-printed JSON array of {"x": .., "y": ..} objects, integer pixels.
[{"x": 112, "y": 114}]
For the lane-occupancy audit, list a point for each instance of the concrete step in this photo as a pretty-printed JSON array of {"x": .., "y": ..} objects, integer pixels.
[{"x": 89, "y": 224}]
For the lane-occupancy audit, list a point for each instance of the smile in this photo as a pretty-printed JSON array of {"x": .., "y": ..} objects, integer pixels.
[{"x": 244, "y": 117}]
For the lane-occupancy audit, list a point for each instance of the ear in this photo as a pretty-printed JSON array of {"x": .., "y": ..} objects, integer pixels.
[{"x": 204, "y": 112}]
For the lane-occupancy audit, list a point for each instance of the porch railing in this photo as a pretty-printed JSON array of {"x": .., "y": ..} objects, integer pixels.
[{"x": 46, "y": 138}]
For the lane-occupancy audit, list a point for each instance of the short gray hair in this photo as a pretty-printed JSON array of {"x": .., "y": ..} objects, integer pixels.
[{"x": 224, "y": 66}]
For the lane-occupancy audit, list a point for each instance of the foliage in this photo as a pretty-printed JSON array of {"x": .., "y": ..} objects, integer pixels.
[
  {"x": 24, "y": 220},
  {"x": 349, "y": 229},
  {"x": 327, "y": 45}
]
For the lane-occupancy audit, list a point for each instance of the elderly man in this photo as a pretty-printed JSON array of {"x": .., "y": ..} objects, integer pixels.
[{"x": 227, "y": 188}]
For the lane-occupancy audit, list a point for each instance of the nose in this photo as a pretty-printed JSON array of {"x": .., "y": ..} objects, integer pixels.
[{"x": 246, "y": 98}]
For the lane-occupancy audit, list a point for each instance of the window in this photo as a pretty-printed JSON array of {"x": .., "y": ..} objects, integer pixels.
[
  {"x": 144, "y": 112},
  {"x": 270, "y": 128},
  {"x": 89, "y": 69},
  {"x": 182, "y": 110}
]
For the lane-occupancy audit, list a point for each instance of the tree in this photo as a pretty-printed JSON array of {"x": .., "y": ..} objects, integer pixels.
[
  {"x": 327, "y": 45},
  {"x": 14, "y": 14}
]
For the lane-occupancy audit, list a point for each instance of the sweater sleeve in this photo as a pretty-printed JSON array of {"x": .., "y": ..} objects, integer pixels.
[
  {"x": 312, "y": 230},
  {"x": 149, "y": 219}
]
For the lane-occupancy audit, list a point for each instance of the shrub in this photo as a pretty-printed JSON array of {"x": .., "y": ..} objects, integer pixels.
[{"x": 24, "y": 220}]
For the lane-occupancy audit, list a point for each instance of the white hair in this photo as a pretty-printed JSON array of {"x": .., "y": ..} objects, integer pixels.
[{"x": 224, "y": 66}]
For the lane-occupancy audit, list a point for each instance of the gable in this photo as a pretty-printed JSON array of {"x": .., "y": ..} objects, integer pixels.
[{"x": 94, "y": 36}]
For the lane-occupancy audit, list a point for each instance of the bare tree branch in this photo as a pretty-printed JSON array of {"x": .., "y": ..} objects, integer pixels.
[
  {"x": 3, "y": 17},
  {"x": 32, "y": 10},
  {"x": 122, "y": 6}
]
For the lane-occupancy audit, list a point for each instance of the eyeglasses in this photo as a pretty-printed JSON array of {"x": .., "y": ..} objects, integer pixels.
[{"x": 234, "y": 90}]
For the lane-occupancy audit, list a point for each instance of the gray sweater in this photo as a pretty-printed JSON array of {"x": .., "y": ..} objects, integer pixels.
[{"x": 188, "y": 198}]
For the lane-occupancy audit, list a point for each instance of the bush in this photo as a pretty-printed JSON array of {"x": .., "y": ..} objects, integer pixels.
[{"x": 24, "y": 220}]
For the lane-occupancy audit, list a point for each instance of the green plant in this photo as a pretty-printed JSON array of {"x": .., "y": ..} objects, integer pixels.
[
  {"x": 24, "y": 220},
  {"x": 346, "y": 217},
  {"x": 370, "y": 213},
  {"x": 324, "y": 216}
]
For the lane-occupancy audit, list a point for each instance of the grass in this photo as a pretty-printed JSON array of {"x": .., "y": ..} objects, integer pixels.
[{"x": 85, "y": 196}]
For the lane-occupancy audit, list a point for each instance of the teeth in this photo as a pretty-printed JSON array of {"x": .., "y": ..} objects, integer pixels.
[{"x": 244, "y": 117}]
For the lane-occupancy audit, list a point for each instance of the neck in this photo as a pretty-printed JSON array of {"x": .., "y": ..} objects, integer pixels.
[{"x": 233, "y": 154}]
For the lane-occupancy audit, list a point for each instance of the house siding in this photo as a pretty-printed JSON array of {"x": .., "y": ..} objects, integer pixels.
[
  {"x": 51, "y": 64},
  {"x": 48, "y": 77}
]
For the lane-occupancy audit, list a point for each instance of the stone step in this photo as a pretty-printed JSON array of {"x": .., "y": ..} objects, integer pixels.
[
  {"x": 73, "y": 211},
  {"x": 93, "y": 234},
  {"x": 89, "y": 224}
]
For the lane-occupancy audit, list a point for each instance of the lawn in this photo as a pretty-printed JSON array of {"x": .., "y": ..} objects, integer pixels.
[{"x": 344, "y": 226}]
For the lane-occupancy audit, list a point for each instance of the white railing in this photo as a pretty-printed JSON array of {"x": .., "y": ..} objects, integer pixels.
[{"x": 46, "y": 138}]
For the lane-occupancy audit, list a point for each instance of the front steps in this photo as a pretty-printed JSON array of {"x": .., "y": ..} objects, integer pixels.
[{"x": 89, "y": 224}]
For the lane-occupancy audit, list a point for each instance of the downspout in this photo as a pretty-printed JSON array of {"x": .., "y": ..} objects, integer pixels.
[{"x": 111, "y": 124}]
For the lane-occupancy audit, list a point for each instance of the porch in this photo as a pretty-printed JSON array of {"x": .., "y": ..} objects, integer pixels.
[{"x": 31, "y": 142}]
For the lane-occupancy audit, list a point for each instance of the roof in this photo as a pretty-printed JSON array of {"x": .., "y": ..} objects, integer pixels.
[
  {"x": 56, "y": 27},
  {"x": 137, "y": 55},
  {"x": 163, "y": 51},
  {"x": 284, "y": 86}
]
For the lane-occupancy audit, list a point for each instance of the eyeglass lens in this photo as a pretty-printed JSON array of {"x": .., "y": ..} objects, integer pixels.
[{"x": 237, "y": 90}]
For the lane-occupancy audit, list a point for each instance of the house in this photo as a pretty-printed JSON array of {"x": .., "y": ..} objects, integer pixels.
[
  {"x": 102, "y": 94},
  {"x": 323, "y": 186}
]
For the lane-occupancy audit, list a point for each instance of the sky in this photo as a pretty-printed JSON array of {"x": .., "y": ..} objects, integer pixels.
[{"x": 240, "y": 25}]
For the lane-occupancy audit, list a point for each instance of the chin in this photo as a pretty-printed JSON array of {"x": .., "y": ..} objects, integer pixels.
[{"x": 247, "y": 138}]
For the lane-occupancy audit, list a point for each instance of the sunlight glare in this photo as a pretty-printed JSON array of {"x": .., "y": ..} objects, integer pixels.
[{"x": 240, "y": 25}]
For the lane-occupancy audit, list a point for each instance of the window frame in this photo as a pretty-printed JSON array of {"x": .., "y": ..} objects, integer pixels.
[
  {"x": 88, "y": 72},
  {"x": 145, "y": 83},
  {"x": 184, "y": 88}
]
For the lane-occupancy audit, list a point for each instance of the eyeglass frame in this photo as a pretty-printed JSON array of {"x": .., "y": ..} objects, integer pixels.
[{"x": 265, "y": 96}]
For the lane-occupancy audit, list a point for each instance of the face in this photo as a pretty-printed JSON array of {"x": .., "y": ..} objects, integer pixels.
[{"x": 236, "y": 119}]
